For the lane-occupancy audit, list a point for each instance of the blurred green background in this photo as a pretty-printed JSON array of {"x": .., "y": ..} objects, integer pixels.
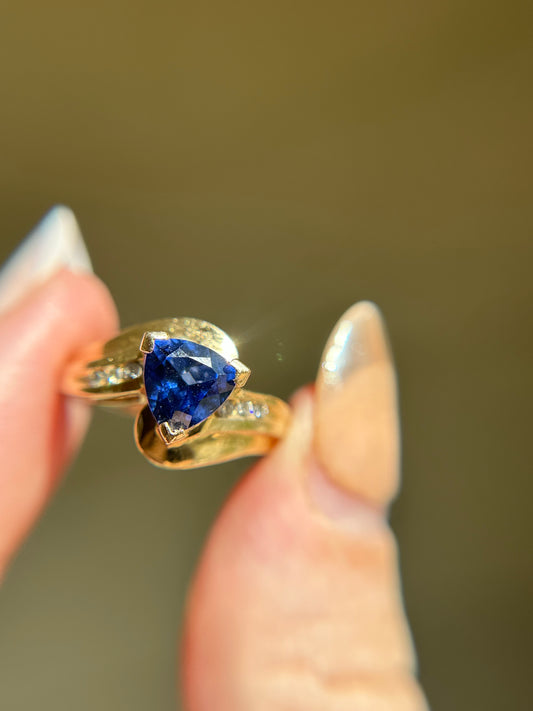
[{"x": 263, "y": 166}]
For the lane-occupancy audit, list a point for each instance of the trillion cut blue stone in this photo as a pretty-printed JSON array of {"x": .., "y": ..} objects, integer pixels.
[{"x": 186, "y": 382}]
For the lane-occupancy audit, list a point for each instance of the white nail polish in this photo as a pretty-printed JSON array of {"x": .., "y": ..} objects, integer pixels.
[{"x": 55, "y": 243}]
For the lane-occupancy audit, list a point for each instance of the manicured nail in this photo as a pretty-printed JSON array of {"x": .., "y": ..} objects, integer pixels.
[
  {"x": 55, "y": 243},
  {"x": 356, "y": 435}
]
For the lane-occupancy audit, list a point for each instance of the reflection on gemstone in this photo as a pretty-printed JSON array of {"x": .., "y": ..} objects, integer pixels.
[{"x": 186, "y": 382}]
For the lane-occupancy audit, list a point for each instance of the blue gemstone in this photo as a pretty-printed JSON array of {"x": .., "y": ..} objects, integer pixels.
[{"x": 186, "y": 382}]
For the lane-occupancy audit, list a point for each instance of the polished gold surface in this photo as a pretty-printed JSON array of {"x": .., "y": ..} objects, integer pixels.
[{"x": 111, "y": 374}]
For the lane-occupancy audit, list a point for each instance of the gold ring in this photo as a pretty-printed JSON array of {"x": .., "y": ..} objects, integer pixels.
[{"x": 183, "y": 381}]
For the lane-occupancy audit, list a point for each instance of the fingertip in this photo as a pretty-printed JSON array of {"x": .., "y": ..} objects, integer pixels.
[
  {"x": 40, "y": 429},
  {"x": 55, "y": 243}
]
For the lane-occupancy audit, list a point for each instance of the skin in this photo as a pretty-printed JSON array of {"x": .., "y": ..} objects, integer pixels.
[{"x": 296, "y": 601}]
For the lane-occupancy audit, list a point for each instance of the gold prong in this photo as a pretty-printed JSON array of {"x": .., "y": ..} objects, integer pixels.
[
  {"x": 243, "y": 372},
  {"x": 169, "y": 435},
  {"x": 147, "y": 341}
]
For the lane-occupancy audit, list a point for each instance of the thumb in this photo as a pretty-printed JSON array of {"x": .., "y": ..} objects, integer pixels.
[{"x": 296, "y": 603}]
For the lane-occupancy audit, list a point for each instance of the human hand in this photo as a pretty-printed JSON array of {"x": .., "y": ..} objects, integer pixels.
[{"x": 296, "y": 601}]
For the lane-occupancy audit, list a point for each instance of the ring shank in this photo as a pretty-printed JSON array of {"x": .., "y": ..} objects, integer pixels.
[{"x": 248, "y": 424}]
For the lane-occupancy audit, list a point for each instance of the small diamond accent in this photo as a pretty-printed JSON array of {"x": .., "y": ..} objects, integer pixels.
[
  {"x": 97, "y": 379},
  {"x": 243, "y": 409},
  {"x": 129, "y": 372}
]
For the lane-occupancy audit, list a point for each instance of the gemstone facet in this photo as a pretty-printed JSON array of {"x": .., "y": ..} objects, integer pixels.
[{"x": 186, "y": 382}]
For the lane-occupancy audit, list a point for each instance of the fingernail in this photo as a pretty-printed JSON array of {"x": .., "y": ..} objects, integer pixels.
[
  {"x": 356, "y": 433},
  {"x": 55, "y": 243}
]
